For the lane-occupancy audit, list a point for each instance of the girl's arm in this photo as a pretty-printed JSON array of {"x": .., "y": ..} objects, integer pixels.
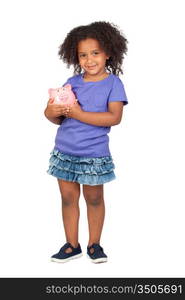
[
  {"x": 98, "y": 118},
  {"x": 110, "y": 118},
  {"x": 55, "y": 120},
  {"x": 53, "y": 113}
]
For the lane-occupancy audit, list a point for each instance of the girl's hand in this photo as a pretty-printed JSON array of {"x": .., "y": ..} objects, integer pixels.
[
  {"x": 54, "y": 110},
  {"x": 72, "y": 111}
]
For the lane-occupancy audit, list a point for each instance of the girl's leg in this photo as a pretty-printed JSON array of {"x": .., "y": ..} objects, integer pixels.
[
  {"x": 95, "y": 211},
  {"x": 70, "y": 194}
]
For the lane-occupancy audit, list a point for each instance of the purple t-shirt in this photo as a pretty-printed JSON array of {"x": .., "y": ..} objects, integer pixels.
[{"x": 81, "y": 139}]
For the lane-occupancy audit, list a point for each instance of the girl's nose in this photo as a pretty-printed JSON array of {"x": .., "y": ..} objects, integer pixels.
[{"x": 89, "y": 59}]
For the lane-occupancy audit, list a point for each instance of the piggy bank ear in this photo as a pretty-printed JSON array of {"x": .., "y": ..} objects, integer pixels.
[
  {"x": 67, "y": 86},
  {"x": 50, "y": 91}
]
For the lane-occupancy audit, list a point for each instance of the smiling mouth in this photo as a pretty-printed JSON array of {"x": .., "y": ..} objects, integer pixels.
[{"x": 91, "y": 67}]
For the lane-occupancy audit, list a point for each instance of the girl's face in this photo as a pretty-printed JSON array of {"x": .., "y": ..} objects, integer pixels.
[{"x": 91, "y": 57}]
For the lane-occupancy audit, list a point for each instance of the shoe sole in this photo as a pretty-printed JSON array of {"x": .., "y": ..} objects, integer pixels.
[
  {"x": 66, "y": 259},
  {"x": 97, "y": 260}
]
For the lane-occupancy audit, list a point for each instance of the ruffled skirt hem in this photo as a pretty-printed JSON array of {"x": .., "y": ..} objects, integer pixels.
[{"x": 84, "y": 170}]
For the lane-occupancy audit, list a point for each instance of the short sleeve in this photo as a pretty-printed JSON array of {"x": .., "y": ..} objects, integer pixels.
[{"x": 117, "y": 92}]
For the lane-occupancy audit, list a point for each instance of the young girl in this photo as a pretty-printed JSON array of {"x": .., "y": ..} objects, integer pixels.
[{"x": 81, "y": 153}]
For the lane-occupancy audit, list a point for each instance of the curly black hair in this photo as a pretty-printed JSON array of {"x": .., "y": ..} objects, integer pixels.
[{"x": 110, "y": 38}]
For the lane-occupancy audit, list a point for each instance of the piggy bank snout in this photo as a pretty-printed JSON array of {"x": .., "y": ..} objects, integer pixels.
[{"x": 63, "y": 94}]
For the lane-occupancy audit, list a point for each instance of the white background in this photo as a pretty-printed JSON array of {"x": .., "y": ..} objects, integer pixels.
[{"x": 143, "y": 233}]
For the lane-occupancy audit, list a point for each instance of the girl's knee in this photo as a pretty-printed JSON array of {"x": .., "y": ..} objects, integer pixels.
[
  {"x": 94, "y": 201},
  {"x": 69, "y": 199},
  {"x": 93, "y": 195},
  {"x": 70, "y": 192}
]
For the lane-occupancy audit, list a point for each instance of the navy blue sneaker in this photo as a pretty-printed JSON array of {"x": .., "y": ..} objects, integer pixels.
[
  {"x": 97, "y": 255},
  {"x": 63, "y": 257}
]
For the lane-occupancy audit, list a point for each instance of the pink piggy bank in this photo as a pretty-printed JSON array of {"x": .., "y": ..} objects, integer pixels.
[{"x": 63, "y": 95}]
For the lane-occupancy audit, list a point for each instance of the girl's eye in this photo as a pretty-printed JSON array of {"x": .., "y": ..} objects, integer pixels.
[{"x": 83, "y": 55}]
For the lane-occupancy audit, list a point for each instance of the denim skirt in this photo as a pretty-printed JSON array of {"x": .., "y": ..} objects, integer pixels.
[{"x": 84, "y": 170}]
